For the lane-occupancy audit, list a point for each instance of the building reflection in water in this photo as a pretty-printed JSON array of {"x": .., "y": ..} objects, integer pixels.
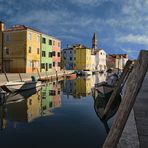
[
  {"x": 26, "y": 106},
  {"x": 81, "y": 86},
  {"x": 51, "y": 98}
]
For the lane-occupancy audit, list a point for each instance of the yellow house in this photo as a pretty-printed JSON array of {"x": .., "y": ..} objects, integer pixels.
[
  {"x": 82, "y": 58},
  {"x": 21, "y": 49},
  {"x": 82, "y": 87}
]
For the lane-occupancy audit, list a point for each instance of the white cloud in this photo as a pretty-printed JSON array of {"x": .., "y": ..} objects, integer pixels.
[
  {"x": 93, "y": 3},
  {"x": 138, "y": 39},
  {"x": 130, "y": 51}
]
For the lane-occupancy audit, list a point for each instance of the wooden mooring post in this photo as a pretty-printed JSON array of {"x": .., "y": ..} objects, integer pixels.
[
  {"x": 117, "y": 88},
  {"x": 20, "y": 77},
  {"x": 6, "y": 76},
  {"x": 133, "y": 85}
]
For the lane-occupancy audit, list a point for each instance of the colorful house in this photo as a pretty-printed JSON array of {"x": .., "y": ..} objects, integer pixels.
[
  {"x": 46, "y": 53},
  {"x": 68, "y": 55},
  {"x": 56, "y": 54},
  {"x": 117, "y": 61},
  {"x": 26, "y": 50},
  {"x": 83, "y": 58},
  {"x": 21, "y": 49}
]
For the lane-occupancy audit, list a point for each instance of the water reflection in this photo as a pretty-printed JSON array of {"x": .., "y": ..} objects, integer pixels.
[
  {"x": 60, "y": 110},
  {"x": 100, "y": 102},
  {"x": 28, "y": 105},
  {"x": 51, "y": 98},
  {"x": 81, "y": 87}
]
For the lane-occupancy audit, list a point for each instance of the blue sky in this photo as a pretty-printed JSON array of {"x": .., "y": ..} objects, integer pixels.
[{"x": 121, "y": 25}]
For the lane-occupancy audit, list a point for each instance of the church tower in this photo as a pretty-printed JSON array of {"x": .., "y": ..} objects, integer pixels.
[{"x": 94, "y": 43}]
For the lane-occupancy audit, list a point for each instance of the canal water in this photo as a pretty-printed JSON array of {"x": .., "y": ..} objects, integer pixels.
[{"x": 60, "y": 114}]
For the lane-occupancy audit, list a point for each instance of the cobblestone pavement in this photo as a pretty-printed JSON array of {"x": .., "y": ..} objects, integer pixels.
[{"x": 129, "y": 138}]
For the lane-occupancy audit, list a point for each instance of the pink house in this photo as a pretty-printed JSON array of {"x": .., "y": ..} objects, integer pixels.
[{"x": 56, "y": 54}]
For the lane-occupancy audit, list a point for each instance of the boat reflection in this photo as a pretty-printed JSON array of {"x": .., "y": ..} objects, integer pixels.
[
  {"x": 100, "y": 102},
  {"x": 26, "y": 106}
]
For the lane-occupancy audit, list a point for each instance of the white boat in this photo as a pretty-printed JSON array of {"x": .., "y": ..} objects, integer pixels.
[{"x": 20, "y": 85}]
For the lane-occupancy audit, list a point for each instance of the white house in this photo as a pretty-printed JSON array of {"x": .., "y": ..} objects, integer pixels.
[{"x": 100, "y": 56}]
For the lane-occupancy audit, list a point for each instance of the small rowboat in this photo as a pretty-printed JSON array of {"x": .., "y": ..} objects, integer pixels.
[{"x": 20, "y": 86}]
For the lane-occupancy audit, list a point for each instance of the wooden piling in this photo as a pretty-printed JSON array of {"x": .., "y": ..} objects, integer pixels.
[
  {"x": 117, "y": 88},
  {"x": 38, "y": 74},
  {"x": 6, "y": 76},
  {"x": 133, "y": 85},
  {"x": 20, "y": 77}
]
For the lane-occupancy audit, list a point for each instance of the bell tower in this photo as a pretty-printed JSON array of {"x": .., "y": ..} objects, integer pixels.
[{"x": 94, "y": 43}]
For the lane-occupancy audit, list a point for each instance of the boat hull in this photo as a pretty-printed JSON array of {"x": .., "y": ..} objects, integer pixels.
[{"x": 20, "y": 86}]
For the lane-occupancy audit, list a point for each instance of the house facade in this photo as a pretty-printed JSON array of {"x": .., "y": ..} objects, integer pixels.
[
  {"x": 82, "y": 57},
  {"x": 26, "y": 50},
  {"x": 68, "y": 56},
  {"x": 46, "y": 53},
  {"x": 100, "y": 56},
  {"x": 56, "y": 54},
  {"x": 116, "y": 61}
]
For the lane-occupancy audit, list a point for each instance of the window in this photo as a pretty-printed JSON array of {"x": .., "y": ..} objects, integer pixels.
[
  {"x": 53, "y": 53},
  {"x": 38, "y": 51},
  {"x": 29, "y": 36},
  {"x": 70, "y": 58},
  {"x": 30, "y": 102},
  {"x": 7, "y": 37},
  {"x": 74, "y": 58},
  {"x": 44, "y": 40},
  {"x": 53, "y": 42},
  {"x": 50, "y": 42},
  {"x": 59, "y": 64},
  {"x": 7, "y": 51},
  {"x": 59, "y": 44},
  {"x": 29, "y": 49},
  {"x": 50, "y": 66},
  {"x": 29, "y": 63},
  {"x": 70, "y": 51},
  {"x": 43, "y": 65},
  {"x": 58, "y": 54},
  {"x": 43, "y": 54},
  {"x": 50, "y": 54},
  {"x": 53, "y": 64},
  {"x": 38, "y": 39}
]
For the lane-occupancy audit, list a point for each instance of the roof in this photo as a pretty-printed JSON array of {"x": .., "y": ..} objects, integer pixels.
[
  {"x": 23, "y": 27},
  {"x": 118, "y": 55}
]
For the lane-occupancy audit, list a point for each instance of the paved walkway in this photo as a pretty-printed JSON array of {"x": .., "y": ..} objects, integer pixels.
[
  {"x": 135, "y": 133},
  {"x": 26, "y": 77},
  {"x": 141, "y": 114}
]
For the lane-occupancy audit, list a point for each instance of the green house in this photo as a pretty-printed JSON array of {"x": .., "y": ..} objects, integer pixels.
[{"x": 46, "y": 53}]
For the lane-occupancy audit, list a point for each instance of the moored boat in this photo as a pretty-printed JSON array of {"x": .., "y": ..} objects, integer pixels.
[{"x": 20, "y": 85}]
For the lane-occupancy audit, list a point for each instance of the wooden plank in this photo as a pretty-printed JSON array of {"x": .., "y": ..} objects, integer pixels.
[
  {"x": 117, "y": 89},
  {"x": 133, "y": 86}
]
